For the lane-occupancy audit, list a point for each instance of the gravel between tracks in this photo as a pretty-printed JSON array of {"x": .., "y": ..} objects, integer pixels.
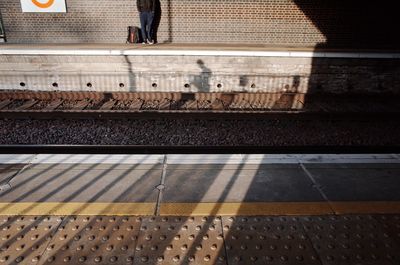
[{"x": 200, "y": 132}]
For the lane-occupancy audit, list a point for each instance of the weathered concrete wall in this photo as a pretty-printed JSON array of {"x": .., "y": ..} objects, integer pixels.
[
  {"x": 327, "y": 23},
  {"x": 200, "y": 73}
]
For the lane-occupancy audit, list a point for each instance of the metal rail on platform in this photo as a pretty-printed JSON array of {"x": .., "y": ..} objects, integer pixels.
[{"x": 184, "y": 149}]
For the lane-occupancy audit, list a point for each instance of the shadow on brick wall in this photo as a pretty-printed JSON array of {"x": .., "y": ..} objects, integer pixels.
[{"x": 357, "y": 26}]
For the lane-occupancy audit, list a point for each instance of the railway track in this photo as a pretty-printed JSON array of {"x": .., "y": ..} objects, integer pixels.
[{"x": 49, "y": 105}]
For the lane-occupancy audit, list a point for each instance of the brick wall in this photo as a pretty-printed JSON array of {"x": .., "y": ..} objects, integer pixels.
[{"x": 273, "y": 22}]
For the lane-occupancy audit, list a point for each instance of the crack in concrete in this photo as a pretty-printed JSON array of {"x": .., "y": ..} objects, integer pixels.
[{"x": 161, "y": 186}]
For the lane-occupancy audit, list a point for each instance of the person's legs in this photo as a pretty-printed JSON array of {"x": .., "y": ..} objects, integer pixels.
[
  {"x": 143, "y": 23},
  {"x": 150, "y": 20}
]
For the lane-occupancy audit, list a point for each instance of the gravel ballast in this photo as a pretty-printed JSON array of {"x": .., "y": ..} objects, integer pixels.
[{"x": 200, "y": 132}]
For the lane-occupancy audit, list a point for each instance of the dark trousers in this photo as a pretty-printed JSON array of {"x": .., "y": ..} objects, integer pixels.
[{"x": 146, "y": 21}]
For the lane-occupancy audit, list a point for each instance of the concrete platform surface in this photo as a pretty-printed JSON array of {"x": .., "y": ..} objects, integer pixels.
[
  {"x": 199, "y": 184},
  {"x": 185, "y": 47},
  {"x": 200, "y": 209}
]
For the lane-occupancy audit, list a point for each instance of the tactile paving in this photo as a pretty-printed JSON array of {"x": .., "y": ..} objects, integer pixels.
[
  {"x": 94, "y": 240},
  {"x": 24, "y": 238},
  {"x": 267, "y": 240},
  {"x": 343, "y": 240},
  {"x": 391, "y": 226},
  {"x": 180, "y": 240}
]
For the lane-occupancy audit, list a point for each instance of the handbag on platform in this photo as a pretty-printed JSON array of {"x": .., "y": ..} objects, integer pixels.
[{"x": 133, "y": 35}]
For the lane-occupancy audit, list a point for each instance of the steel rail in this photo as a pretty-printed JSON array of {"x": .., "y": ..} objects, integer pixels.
[{"x": 185, "y": 149}]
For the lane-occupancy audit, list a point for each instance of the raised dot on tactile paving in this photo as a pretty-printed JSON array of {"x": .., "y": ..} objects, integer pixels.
[
  {"x": 97, "y": 259},
  {"x": 20, "y": 247},
  {"x": 109, "y": 247},
  {"x": 207, "y": 258},
  {"x": 139, "y": 247},
  {"x": 160, "y": 258},
  {"x": 176, "y": 258},
  {"x": 4, "y": 248}
]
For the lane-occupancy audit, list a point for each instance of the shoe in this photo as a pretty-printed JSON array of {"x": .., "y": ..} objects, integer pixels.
[
  {"x": 143, "y": 42},
  {"x": 150, "y": 42}
]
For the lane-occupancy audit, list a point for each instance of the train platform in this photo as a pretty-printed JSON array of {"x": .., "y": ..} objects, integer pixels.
[
  {"x": 192, "y": 49},
  {"x": 196, "y": 68},
  {"x": 200, "y": 209}
]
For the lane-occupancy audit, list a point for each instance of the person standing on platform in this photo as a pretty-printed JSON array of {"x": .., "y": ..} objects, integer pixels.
[{"x": 146, "y": 10}]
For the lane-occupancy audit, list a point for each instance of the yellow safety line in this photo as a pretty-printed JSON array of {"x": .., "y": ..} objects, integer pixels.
[
  {"x": 72, "y": 208},
  {"x": 188, "y": 209},
  {"x": 273, "y": 208}
]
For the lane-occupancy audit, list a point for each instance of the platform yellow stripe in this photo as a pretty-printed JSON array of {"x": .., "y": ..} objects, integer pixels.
[
  {"x": 188, "y": 209},
  {"x": 249, "y": 209},
  {"x": 72, "y": 208}
]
